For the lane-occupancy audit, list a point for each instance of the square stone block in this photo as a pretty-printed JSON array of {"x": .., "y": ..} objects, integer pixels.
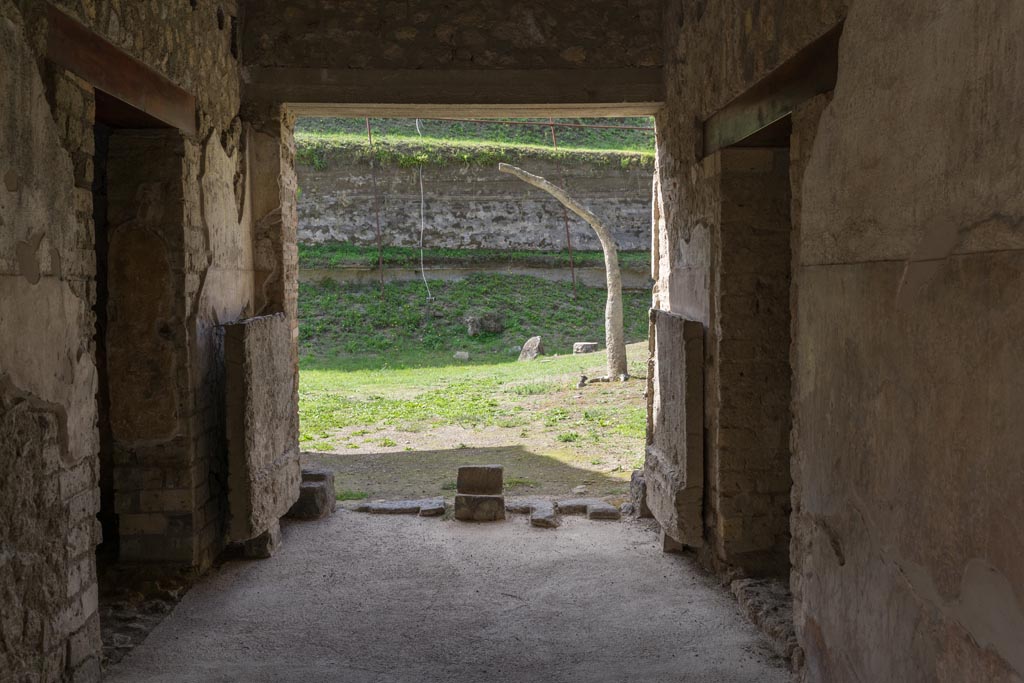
[
  {"x": 483, "y": 480},
  {"x": 471, "y": 508}
]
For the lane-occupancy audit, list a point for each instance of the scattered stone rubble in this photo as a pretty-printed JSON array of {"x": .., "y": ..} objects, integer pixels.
[{"x": 769, "y": 604}]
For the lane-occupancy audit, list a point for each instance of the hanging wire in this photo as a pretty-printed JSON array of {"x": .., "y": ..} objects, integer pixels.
[
  {"x": 376, "y": 207},
  {"x": 565, "y": 212},
  {"x": 423, "y": 220}
]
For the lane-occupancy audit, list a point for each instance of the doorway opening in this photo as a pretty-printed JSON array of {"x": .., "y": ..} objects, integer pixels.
[{"x": 424, "y": 271}]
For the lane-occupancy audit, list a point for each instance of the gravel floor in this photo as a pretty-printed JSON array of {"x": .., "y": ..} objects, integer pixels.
[{"x": 386, "y": 599}]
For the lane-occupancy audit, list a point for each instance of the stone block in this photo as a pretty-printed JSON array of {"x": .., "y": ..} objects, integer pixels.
[
  {"x": 316, "y": 501},
  {"x": 584, "y": 347},
  {"x": 638, "y": 494},
  {"x": 573, "y": 506},
  {"x": 429, "y": 507},
  {"x": 532, "y": 348},
  {"x": 544, "y": 515},
  {"x": 487, "y": 480},
  {"x": 674, "y": 464},
  {"x": 434, "y": 507},
  {"x": 602, "y": 510},
  {"x": 263, "y": 454},
  {"x": 476, "y": 508},
  {"x": 264, "y": 545},
  {"x": 316, "y": 495}
]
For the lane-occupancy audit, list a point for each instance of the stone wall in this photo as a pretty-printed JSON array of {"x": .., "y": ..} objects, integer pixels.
[
  {"x": 909, "y": 365},
  {"x": 465, "y": 34},
  {"x": 48, "y": 372},
  {"x": 471, "y": 206},
  {"x": 906, "y": 217}
]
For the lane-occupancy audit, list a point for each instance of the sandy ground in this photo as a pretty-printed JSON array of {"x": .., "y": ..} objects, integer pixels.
[{"x": 379, "y": 599}]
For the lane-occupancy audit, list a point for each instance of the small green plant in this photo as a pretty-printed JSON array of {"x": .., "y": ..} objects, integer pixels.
[
  {"x": 387, "y": 442},
  {"x": 351, "y": 495},
  {"x": 569, "y": 437},
  {"x": 533, "y": 388},
  {"x": 449, "y": 486}
]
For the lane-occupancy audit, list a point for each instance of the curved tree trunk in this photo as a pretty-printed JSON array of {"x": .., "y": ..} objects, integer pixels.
[{"x": 614, "y": 336}]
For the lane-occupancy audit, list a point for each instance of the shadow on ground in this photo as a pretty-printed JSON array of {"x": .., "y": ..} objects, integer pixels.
[{"x": 415, "y": 474}]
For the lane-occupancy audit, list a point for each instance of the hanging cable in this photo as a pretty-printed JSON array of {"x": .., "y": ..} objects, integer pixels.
[
  {"x": 423, "y": 220},
  {"x": 565, "y": 213},
  {"x": 376, "y": 206}
]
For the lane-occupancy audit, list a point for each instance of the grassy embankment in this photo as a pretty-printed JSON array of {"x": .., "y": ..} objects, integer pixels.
[
  {"x": 396, "y": 142},
  {"x": 379, "y": 387}
]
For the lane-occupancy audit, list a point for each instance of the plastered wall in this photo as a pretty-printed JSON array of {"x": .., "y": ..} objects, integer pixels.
[
  {"x": 906, "y": 213},
  {"x": 48, "y": 374}
]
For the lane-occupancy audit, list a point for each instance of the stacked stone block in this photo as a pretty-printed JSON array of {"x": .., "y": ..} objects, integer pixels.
[{"x": 478, "y": 495}]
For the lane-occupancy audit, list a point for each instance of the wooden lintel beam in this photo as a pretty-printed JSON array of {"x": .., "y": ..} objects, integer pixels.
[
  {"x": 495, "y": 92},
  {"x": 811, "y": 72},
  {"x": 114, "y": 72}
]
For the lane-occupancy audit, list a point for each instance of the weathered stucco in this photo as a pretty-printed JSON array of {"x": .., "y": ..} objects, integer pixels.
[
  {"x": 906, "y": 238},
  {"x": 909, "y": 366},
  {"x": 472, "y": 206}
]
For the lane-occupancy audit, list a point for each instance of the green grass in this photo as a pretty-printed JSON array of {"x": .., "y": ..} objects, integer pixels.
[
  {"x": 337, "y": 393},
  {"x": 336, "y": 255},
  {"x": 388, "y": 131},
  {"x": 319, "y": 142},
  {"x": 355, "y": 327}
]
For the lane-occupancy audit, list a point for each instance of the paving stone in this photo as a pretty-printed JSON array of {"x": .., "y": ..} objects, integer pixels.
[
  {"x": 544, "y": 515},
  {"x": 433, "y": 507},
  {"x": 584, "y": 347},
  {"x": 391, "y": 507},
  {"x": 602, "y": 510},
  {"x": 474, "y": 508},
  {"x": 485, "y": 480},
  {"x": 521, "y": 506},
  {"x": 574, "y": 506}
]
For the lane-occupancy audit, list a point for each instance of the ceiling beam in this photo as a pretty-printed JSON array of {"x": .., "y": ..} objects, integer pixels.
[
  {"x": 468, "y": 92},
  {"x": 812, "y": 71},
  {"x": 114, "y": 72}
]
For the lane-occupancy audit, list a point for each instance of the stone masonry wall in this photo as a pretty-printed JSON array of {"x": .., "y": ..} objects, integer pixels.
[
  {"x": 47, "y": 291},
  {"x": 472, "y": 206},
  {"x": 466, "y": 34},
  {"x": 749, "y": 480}
]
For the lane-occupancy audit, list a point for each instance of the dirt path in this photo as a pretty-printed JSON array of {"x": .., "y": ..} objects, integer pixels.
[{"x": 359, "y": 598}]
